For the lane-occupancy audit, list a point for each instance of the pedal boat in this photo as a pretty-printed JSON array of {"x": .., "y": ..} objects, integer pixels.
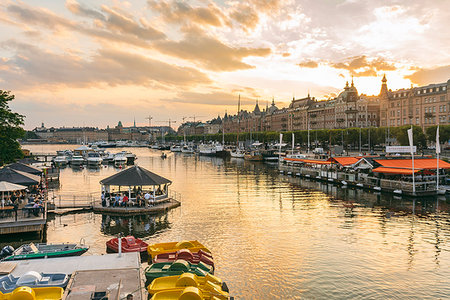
[
  {"x": 192, "y": 293},
  {"x": 33, "y": 251},
  {"x": 32, "y": 279},
  {"x": 176, "y": 283},
  {"x": 194, "y": 246},
  {"x": 176, "y": 268},
  {"x": 27, "y": 293},
  {"x": 129, "y": 244},
  {"x": 187, "y": 255}
]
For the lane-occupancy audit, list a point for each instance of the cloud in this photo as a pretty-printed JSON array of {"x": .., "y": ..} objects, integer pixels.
[
  {"x": 427, "y": 76},
  {"x": 210, "y": 52},
  {"x": 32, "y": 66},
  {"x": 182, "y": 12},
  {"x": 76, "y": 8},
  {"x": 308, "y": 64},
  {"x": 360, "y": 66}
]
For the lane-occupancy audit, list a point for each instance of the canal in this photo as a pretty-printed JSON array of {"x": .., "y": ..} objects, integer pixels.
[{"x": 277, "y": 237}]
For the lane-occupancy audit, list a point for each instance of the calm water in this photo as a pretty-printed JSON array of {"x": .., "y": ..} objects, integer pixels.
[{"x": 276, "y": 237}]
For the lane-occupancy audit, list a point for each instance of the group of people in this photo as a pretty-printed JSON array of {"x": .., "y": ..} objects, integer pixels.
[{"x": 122, "y": 200}]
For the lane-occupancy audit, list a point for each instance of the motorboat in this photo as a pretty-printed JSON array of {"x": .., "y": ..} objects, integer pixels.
[
  {"x": 129, "y": 244},
  {"x": 175, "y": 148},
  {"x": 207, "y": 291},
  {"x": 121, "y": 143},
  {"x": 108, "y": 158},
  {"x": 77, "y": 160},
  {"x": 120, "y": 159},
  {"x": 163, "y": 155},
  {"x": 238, "y": 153},
  {"x": 60, "y": 160},
  {"x": 254, "y": 156},
  {"x": 177, "y": 267},
  {"x": 156, "y": 249},
  {"x": 179, "y": 282},
  {"x": 34, "y": 251},
  {"x": 130, "y": 157},
  {"x": 271, "y": 155},
  {"x": 32, "y": 279},
  {"x": 43, "y": 293},
  {"x": 214, "y": 149},
  {"x": 154, "y": 146},
  {"x": 187, "y": 255},
  {"x": 94, "y": 159},
  {"x": 106, "y": 144},
  {"x": 187, "y": 149}
]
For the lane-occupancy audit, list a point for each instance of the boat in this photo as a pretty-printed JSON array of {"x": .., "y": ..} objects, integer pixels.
[
  {"x": 187, "y": 149},
  {"x": 163, "y": 155},
  {"x": 27, "y": 293},
  {"x": 106, "y": 144},
  {"x": 238, "y": 153},
  {"x": 34, "y": 251},
  {"x": 121, "y": 143},
  {"x": 187, "y": 255},
  {"x": 108, "y": 158},
  {"x": 179, "y": 282},
  {"x": 77, "y": 160},
  {"x": 214, "y": 149},
  {"x": 156, "y": 249},
  {"x": 175, "y": 148},
  {"x": 253, "y": 156},
  {"x": 94, "y": 159},
  {"x": 32, "y": 279},
  {"x": 120, "y": 159},
  {"x": 270, "y": 155},
  {"x": 208, "y": 291},
  {"x": 177, "y": 267},
  {"x": 129, "y": 244},
  {"x": 60, "y": 160}
]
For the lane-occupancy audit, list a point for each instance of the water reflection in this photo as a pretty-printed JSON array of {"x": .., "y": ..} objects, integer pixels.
[{"x": 139, "y": 226}]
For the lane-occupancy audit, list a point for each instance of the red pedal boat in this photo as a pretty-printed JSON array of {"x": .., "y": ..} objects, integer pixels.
[
  {"x": 187, "y": 255},
  {"x": 129, "y": 244}
]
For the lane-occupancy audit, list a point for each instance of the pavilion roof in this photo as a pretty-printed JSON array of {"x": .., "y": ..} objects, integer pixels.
[{"x": 135, "y": 176}]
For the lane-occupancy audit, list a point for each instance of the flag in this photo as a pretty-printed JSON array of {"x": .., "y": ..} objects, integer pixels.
[
  {"x": 281, "y": 138},
  {"x": 410, "y": 137},
  {"x": 438, "y": 145}
]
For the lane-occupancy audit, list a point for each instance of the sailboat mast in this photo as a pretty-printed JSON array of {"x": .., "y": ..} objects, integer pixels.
[{"x": 239, "y": 121}]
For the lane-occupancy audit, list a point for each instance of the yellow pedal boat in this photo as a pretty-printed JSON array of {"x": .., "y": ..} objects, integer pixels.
[
  {"x": 191, "y": 293},
  {"x": 179, "y": 282},
  {"x": 156, "y": 249},
  {"x": 27, "y": 293}
]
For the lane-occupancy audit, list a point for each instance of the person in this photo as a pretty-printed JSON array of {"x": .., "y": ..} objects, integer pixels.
[
  {"x": 103, "y": 199},
  {"x": 138, "y": 200},
  {"x": 129, "y": 297},
  {"x": 116, "y": 200},
  {"x": 36, "y": 208},
  {"x": 146, "y": 198},
  {"x": 125, "y": 200}
]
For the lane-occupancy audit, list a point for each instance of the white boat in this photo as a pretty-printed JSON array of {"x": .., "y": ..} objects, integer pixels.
[
  {"x": 175, "y": 148},
  {"x": 77, "y": 160},
  {"x": 154, "y": 146},
  {"x": 207, "y": 149},
  {"x": 108, "y": 158},
  {"x": 94, "y": 159},
  {"x": 187, "y": 149},
  {"x": 238, "y": 153},
  {"x": 121, "y": 144},
  {"x": 60, "y": 160},
  {"x": 120, "y": 159},
  {"x": 130, "y": 157}
]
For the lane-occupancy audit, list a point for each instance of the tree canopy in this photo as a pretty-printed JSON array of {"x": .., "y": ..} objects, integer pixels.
[{"x": 10, "y": 130}]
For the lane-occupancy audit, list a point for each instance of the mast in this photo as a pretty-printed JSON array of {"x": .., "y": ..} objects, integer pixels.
[
  {"x": 239, "y": 121},
  {"x": 438, "y": 150}
]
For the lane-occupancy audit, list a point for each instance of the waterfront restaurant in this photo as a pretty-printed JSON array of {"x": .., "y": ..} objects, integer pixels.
[{"x": 136, "y": 181}]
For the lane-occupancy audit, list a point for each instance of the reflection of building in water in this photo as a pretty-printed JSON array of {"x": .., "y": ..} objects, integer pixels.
[{"x": 138, "y": 226}]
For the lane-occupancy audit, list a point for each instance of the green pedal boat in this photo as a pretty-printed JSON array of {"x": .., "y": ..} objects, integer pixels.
[
  {"x": 34, "y": 251},
  {"x": 177, "y": 267}
]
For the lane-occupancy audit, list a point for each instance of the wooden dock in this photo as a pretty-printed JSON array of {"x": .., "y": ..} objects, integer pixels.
[{"x": 130, "y": 211}]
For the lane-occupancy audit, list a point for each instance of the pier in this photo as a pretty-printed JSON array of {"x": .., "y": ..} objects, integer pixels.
[{"x": 22, "y": 220}]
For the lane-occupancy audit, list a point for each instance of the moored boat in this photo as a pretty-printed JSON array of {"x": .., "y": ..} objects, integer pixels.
[
  {"x": 129, "y": 244},
  {"x": 177, "y": 267},
  {"x": 207, "y": 291},
  {"x": 178, "y": 282},
  {"x": 27, "y": 293},
  {"x": 34, "y": 251},
  {"x": 187, "y": 255},
  {"x": 193, "y": 246},
  {"x": 253, "y": 156},
  {"x": 32, "y": 279}
]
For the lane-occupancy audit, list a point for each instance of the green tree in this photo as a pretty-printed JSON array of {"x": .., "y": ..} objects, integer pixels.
[{"x": 10, "y": 130}]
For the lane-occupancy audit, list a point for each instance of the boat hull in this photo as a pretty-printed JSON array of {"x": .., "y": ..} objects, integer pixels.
[{"x": 72, "y": 252}]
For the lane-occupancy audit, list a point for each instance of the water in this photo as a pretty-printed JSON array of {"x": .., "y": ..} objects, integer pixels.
[{"x": 277, "y": 237}]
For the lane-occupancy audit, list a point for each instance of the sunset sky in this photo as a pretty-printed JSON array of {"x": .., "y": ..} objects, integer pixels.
[{"x": 93, "y": 63}]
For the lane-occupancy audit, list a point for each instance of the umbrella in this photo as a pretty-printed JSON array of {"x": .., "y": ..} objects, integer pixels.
[
  {"x": 8, "y": 187},
  {"x": 18, "y": 177}
]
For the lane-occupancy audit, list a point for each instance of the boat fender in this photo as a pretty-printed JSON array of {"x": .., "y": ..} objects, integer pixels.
[
  {"x": 191, "y": 293},
  {"x": 23, "y": 293}
]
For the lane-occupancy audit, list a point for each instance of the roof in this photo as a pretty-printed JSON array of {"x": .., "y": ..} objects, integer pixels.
[
  {"x": 18, "y": 177},
  {"x": 399, "y": 171},
  {"x": 420, "y": 163},
  {"x": 135, "y": 176},
  {"x": 345, "y": 161},
  {"x": 25, "y": 168}
]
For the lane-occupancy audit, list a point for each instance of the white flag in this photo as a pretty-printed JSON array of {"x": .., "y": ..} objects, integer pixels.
[
  {"x": 438, "y": 146},
  {"x": 410, "y": 137},
  {"x": 281, "y": 138}
]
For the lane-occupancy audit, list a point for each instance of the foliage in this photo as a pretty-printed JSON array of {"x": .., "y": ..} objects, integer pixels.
[
  {"x": 444, "y": 133},
  {"x": 10, "y": 130},
  {"x": 29, "y": 135}
]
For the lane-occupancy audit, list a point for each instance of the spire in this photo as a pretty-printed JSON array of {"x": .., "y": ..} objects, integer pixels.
[
  {"x": 352, "y": 81},
  {"x": 384, "y": 80},
  {"x": 384, "y": 89},
  {"x": 308, "y": 94},
  {"x": 134, "y": 123},
  {"x": 346, "y": 84},
  {"x": 273, "y": 101}
]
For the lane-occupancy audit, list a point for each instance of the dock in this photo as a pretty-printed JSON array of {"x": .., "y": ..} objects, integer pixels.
[
  {"x": 129, "y": 211},
  {"x": 23, "y": 221},
  {"x": 111, "y": 275}
]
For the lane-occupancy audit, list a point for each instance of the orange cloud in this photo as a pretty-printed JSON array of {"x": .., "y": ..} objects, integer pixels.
[
  {"x": 427, "y": 76},
  {"x": 360, "y": 66},
  {"x": 308, "y": 64}
]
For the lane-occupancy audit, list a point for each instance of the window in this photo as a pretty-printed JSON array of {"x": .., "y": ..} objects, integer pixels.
[
  {"x": 398, "y": 113},
  {"x": 434, "y": 110},
  {"x": 444, "y": 108},
  {"x": 417, "y": 122},
  {"x": 440, "y": 108},
  {"x": 404, "y": 121},
  {"x": 426, "y": 109},
  {"x": 398, "y": 122},
  {"x": 442, "y": 98},
  {"x": 417, "y": 112},
  {"x": 417, "y": 101}
]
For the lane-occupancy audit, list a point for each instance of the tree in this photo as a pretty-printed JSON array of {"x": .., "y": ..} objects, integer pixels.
[{"x": 10, "y": 130}]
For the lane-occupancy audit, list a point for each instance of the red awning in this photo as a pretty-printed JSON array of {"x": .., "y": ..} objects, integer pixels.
[
  {"x": 398, "y": 171},
  {"x": 345, "y": 161},
  {"x": 419, "y": 163}
]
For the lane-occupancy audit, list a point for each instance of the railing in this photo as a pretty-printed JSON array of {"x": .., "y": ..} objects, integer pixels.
[
  {"x": 407, "y": 186},
  {"x": 9, "y": 214},
  {"x": 74, "y": 201}
]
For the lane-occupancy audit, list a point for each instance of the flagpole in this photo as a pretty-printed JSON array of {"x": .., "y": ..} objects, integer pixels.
[
  {"x": 411, "y": 145},
  {"x": 438, "y": 150}
]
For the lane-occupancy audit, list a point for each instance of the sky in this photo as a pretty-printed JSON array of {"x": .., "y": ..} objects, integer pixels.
[{"x": 93, "y": 63}]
